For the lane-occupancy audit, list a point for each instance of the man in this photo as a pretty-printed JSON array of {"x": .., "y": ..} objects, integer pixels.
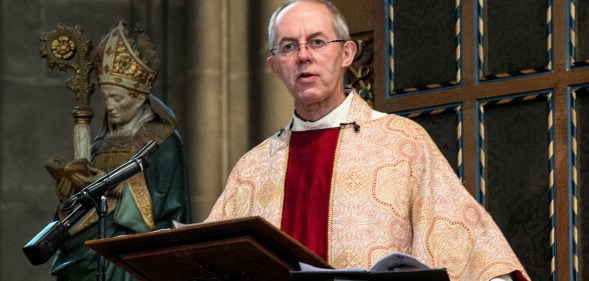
[
  {"x": 126, "y": 68},
  {"x": 350, "y": 183}
]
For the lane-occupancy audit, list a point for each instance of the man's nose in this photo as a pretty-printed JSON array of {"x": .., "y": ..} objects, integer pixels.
[{"x": 303, "y": 50}]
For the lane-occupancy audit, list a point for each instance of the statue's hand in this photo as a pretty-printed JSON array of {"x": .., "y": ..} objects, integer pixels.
[
  {"x": 72, "y": 176},
  {"x": 85, "y": 176},
  {"x": 92, "y": 174},
  {"x": 64, "y": 189}
]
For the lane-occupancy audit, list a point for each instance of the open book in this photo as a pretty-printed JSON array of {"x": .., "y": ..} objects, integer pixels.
[{"x": 393, "y": 266}]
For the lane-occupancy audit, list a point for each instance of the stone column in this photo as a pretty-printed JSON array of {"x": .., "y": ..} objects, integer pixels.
[
  {"x": 271, "y": 103},
  {"x": 233, "y": 100},
  {"x": 205, "y": 102}
]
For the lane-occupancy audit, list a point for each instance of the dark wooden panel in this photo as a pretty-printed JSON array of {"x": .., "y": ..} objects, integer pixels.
[
  {"x": 580, "y": 32},
  {"x": 424, "y": 45},
  {"x": 517, "y": 175},
  {"x": 515, "y": 37},
  {"x": 582, "y": 194}
]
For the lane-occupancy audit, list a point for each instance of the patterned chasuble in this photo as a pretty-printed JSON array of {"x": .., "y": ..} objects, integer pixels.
[
  {"x": 391, "y": 190},
  {"x": 308, "y": 183}
]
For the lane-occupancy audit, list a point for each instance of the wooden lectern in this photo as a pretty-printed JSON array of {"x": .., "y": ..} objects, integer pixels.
[{"x": 247, "y": 248}]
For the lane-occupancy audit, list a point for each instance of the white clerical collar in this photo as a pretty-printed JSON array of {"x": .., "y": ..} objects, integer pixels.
[{"x": 331, "y": 120}]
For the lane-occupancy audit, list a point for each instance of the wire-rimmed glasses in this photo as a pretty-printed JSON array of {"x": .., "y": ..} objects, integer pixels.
[{"x": 289, "y": 48}]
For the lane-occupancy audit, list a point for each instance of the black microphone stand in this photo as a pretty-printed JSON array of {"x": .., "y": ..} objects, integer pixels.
[
  {"x": 44, "y": 245},
  {"x": 102, "y": 209}
]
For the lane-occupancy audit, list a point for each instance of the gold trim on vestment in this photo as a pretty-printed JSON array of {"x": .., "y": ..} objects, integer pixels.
[
  {"x": 286, "y": 137},
  {"x": 140, "y": 193},
  {"x": 332, "y": 187}
]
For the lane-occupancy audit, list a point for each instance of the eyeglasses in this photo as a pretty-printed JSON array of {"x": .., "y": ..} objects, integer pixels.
[{"x": 288, "y": 49}]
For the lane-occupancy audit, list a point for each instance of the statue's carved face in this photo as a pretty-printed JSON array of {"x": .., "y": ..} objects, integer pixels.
[{"x": 121, "y": 107}]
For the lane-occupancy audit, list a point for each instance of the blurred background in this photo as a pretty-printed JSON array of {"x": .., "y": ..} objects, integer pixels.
[{"x": 213, "y": 76}]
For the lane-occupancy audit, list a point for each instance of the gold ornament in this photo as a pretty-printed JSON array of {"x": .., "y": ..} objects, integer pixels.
[{"x": 131, "y": 63}]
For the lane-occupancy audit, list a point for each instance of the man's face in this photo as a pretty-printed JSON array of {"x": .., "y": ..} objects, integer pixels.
[
  {"x": 311, "y": 76},
  {"x": 120, "y": 106}
]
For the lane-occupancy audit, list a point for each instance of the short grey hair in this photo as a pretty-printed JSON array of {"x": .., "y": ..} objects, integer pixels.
[{"x": 337, "y": 20}]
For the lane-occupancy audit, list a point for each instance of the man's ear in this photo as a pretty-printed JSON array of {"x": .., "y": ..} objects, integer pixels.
[
  {"x": 349, "y": 53},
  {"x": 273, "y": 64}
]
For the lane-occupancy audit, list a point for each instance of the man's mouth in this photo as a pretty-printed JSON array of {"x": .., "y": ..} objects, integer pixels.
[{"x": 306, "y": 76}]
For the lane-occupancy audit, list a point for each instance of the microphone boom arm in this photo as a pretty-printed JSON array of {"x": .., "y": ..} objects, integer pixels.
[
  {"x": 44, "y": 245},
  {"x": 98, "y": 188}
]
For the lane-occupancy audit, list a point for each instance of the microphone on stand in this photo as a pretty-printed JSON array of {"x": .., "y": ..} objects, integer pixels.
[
  {"x": 96, "y": 189},
  {"x": 44, "y": 245}
]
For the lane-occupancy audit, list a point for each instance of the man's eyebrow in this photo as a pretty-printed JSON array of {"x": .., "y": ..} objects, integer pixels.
[{"x": 293, "y": 39}]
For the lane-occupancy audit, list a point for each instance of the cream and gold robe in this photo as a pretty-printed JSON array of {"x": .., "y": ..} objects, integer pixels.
[{"x": 392, "y": 191}]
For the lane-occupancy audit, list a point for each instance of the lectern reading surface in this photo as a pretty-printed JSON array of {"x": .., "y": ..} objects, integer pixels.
[{"x": 239, "y": 249}]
